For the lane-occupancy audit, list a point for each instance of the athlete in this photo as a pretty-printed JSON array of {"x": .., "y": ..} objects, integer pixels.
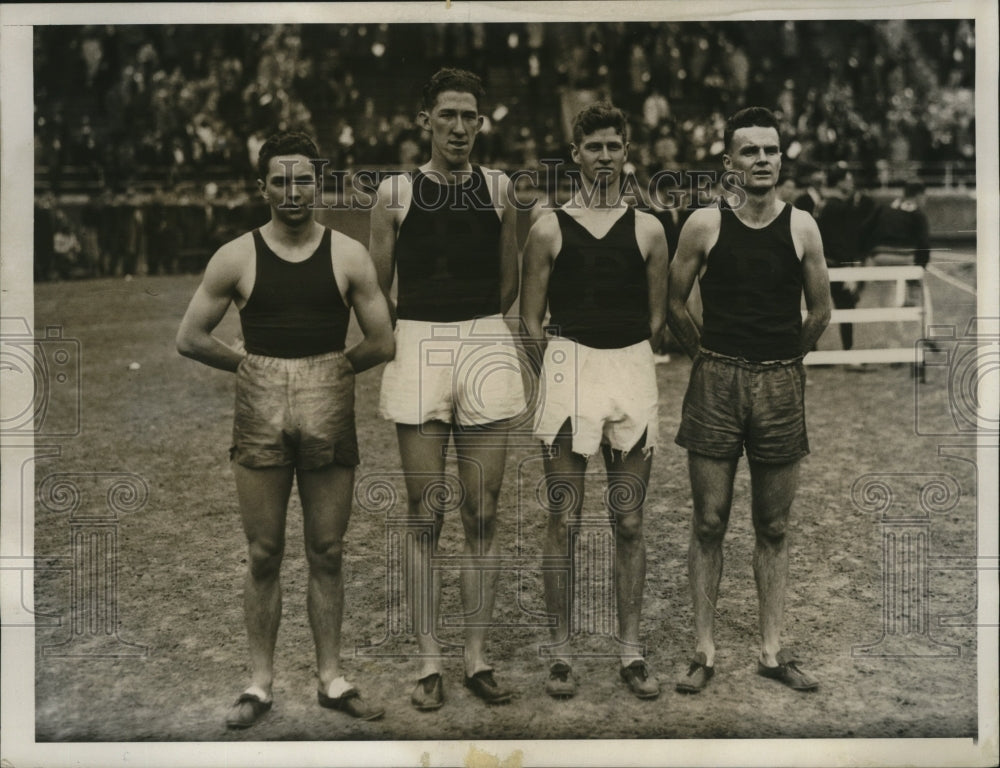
[
  {"x": 446, "y": 234},
  {"x": 754, "y": 257},
  {"x": 600, "y": 267},
  {"x": 294, "y": 282}
]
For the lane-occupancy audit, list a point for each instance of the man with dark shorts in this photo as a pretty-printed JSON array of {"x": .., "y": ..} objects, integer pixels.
[
  {"x": 600, "y": 267},
  {"x": 294, "y": 282},
  {"x": 447, "y": 234},
  {"x": 754, "y": 257}
]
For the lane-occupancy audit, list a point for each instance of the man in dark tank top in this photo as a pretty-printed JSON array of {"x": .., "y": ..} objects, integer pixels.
[
  {"x": 755, "y": 257},
  {"x": 445, "y": 234},
  {"x": 294, "y": 282},
  {"x": 600, "y": 267}
]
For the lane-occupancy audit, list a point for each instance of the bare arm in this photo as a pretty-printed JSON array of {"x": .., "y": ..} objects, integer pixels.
[
  {"x": 692, "y": 250},
  {"x": 539, "y": 253},
  {"x": 657, "y": 253},
  {"x": 217, "y": 291},
  {"x": 815, "y": 280},
  {"x": 508, "y": 246},
  {"x": 385, "y": 217},
  {"x": 370, "y": 308}
]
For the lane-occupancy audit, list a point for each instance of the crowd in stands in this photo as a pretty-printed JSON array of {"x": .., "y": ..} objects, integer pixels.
[
  {"x": 179, "y": 102},
  {"x": 173, "y": 111}
]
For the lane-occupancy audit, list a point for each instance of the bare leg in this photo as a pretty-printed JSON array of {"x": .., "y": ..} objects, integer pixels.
[
  {"x": 263, "y": 499},
  {"x": 712, "y": 492},
  {"x": 326, "y": 510},
  {"x": 564, "y": 478},
  {"x": 774, "y": 487},
  {"x": 628, "y": 478},
  {"x": 421, "y": 449},
  {"x": 481, "y": 457}
]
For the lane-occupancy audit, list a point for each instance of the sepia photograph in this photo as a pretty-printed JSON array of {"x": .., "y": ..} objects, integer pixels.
[{"x": 499, "y": 384}]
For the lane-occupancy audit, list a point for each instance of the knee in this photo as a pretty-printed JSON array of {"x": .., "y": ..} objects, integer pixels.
[
  {"x": 771, "y": 532},
  {"x": 708, "y": 528},
  {"x": 480, "y": 519},
  {"x": 265, "y": 558},
  {"x": 326, "y": 557},
  {"x": 628, "y": 527}
]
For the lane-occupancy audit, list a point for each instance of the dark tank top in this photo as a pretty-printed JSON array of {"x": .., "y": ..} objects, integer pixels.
[
  {"x": 598, "y": 290},
  {"x": 751, "y": 291},
  {"x": 448, "y": 251},
  {"x": 295, "y": 308}
]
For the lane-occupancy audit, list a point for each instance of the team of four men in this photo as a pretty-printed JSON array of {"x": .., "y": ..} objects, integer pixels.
[{"x": 446, "y": 235}]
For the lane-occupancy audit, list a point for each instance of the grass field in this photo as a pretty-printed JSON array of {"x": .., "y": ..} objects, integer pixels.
[{"x": 179, "y": 561}]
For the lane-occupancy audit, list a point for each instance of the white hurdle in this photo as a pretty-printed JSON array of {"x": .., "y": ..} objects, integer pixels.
[{"x": 897, "y": 313}]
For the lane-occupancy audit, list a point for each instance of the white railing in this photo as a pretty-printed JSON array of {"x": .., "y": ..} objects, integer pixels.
[{"x": 896, "y": 312}]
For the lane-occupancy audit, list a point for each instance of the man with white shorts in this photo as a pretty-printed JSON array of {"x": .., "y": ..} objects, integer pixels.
[
  {"x": 295, "y": 283},
  {"x": 600, "y": 267},
  {"x": 446, "y": 233}
]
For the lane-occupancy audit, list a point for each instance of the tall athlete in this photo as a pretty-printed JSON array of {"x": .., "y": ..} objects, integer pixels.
[
  {"x": 600, "y": 267},
  {"x": 754, "y": 257},
  {"x": 295, "y": 283},
  {"x": 447, "y": 234}
]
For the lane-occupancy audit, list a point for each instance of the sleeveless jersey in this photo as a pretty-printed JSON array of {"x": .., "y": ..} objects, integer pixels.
[
  {"x": 598, "y": 290},
  {"x": 295, "y": 308},
  {"x": 448, "y": 251},
  {"x": 751, "y": 291}
]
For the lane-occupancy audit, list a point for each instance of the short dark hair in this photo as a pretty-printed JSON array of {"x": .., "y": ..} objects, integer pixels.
[
  {"x": 285, "y": 143},
  {"x": 450, "y": 79},
  {"x": 600, "y": 115},
  {"x": 749, "y": 117},
  {"x": 913, "y": 188}
]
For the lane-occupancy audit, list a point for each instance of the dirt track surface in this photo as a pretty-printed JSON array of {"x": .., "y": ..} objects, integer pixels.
[{"x": 181, "y": 559}]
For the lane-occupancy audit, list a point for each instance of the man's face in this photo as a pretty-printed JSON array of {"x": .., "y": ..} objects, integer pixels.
[
  {"x": 601, "y": 155},
  {"x": 755, "y": 156},
  {"x": 453, "y": 123},
  {"x": 290, "y": 188}
]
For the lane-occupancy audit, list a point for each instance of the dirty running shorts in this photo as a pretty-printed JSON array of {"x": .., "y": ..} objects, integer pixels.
[
  {"x": 731, "y": 403},
  {"x": 295, "y": 411}
]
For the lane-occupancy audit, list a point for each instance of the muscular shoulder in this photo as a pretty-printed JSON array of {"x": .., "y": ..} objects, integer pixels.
[
  {"x": 704, "y": 223},
  {"x": 394, "y": 192},
  {"x": 348, "y": 251},
  {"x": 232, "y": 258},
  {"x": 647, "y": 225},
  {"x": 803, "y": 223},
  {"x": 545, "y": 229}
]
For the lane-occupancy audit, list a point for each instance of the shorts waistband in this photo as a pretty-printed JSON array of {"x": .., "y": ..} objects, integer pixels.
[
  {"x": 751, "y": 364},
  {"x": 267, "y": 360}
]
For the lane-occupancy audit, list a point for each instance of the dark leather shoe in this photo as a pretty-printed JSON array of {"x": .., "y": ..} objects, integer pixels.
[
  {"x": 429, "y": 693},
  {"x": 562, "y": 682},
  {"x": 788, "y": 672},
  {"x": 351, "y": 704},
  {"x": 248, "y": 709},
  {"x": 483, "y": 685},
  {"x": 640, "y": 682},
  {"x": 697, "y": 675}
]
